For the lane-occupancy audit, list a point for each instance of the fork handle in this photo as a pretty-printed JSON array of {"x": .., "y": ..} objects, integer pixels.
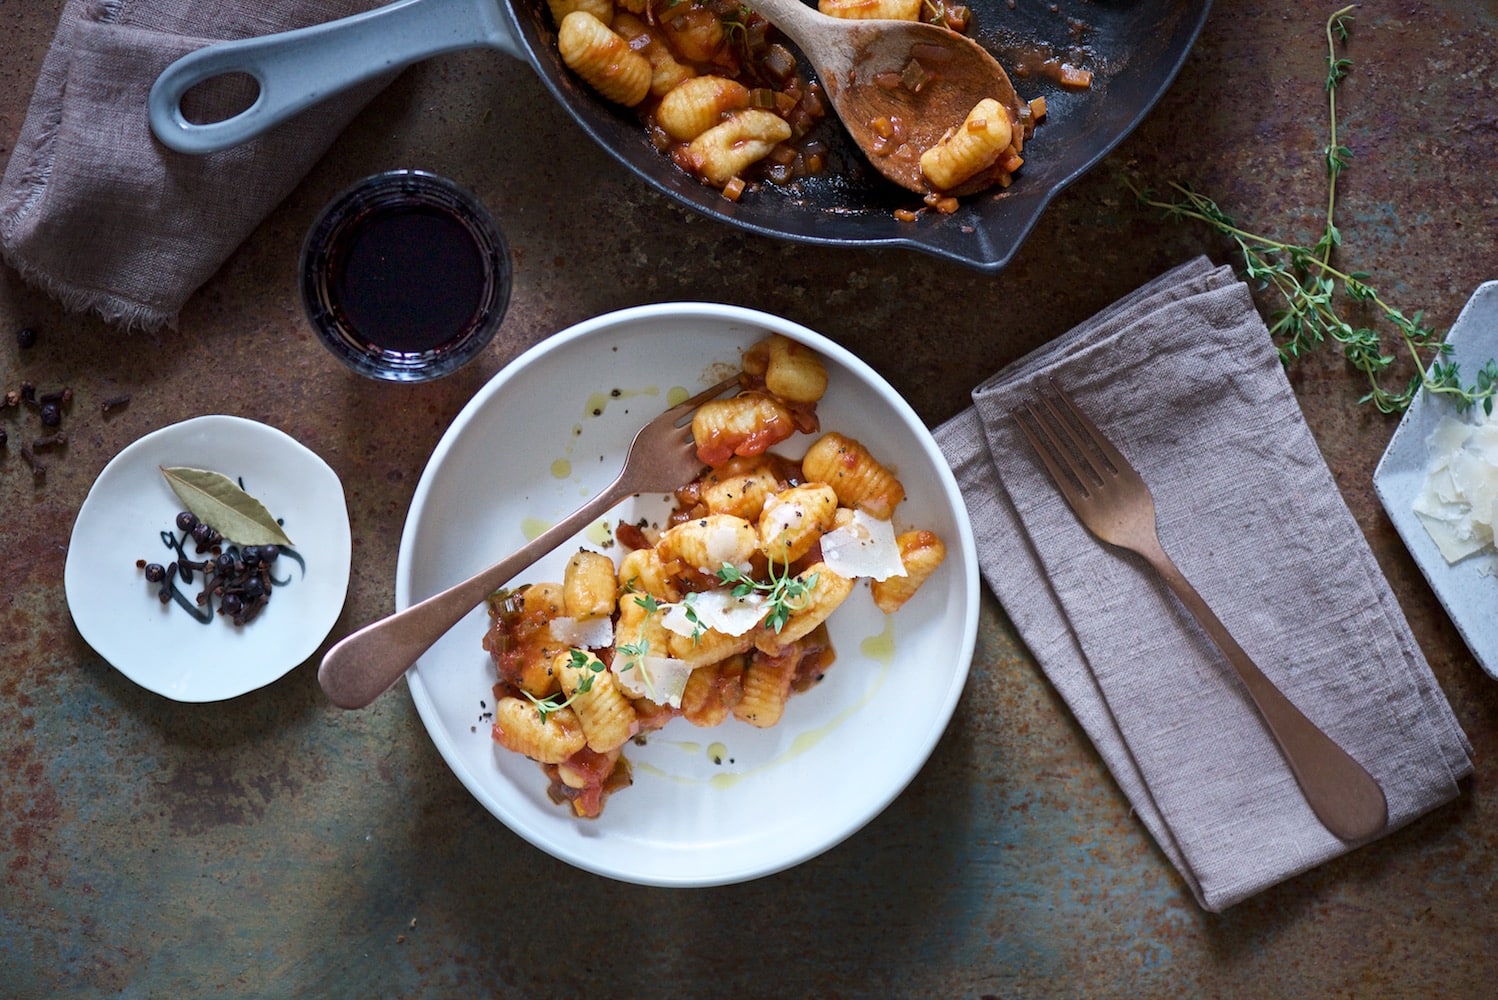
[
  {"x": 364, "y": 664},
  {"x": 1339, "y": 790}
]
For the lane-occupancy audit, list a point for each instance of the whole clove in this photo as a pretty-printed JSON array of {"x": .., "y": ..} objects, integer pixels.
[
  {"x": 114, "y": 403},
  {"x": 56, "y": 440}
]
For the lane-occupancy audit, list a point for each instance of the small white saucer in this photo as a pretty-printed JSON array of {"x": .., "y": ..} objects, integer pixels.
[{"x": 162, "y": 647}]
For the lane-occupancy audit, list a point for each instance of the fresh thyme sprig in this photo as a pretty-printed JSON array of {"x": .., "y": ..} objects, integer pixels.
[
  {"x": 786, "y": 594},
  {"x": 1307, "y": 281}
]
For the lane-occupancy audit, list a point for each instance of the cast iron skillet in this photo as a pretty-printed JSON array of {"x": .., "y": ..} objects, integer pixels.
[{"x": 1133, "y": 47}]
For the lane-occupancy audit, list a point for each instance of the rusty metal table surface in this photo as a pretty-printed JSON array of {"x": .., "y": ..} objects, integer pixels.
[{"x": 275, "y": 846}]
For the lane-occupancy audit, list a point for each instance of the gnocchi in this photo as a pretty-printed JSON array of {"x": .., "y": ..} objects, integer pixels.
[
  {"x": 890, "y": 10},
  {"x": 741, "y": 139},
  {"x": 766, "y": 689},
  {"x": 747, "y": 424},
  {"x": 594, "y": 52},
  {"x": 921, "y": 552},
  {"x": 740, "y": 486},
  {"x": 601, "y": 9},
  {"x": 970, "y": 148},
  {"x": 695, "y": 105},
  {"x": 665, "y": 72},
  {"x": 719, "y": 614},
  {"x": 857, "y": 477},
  {"x": 552, "y": 740},
  {"x": 588, "y": 585},
  {"x": 705, "y": 543},
  {"x": 793, "y": 520}
]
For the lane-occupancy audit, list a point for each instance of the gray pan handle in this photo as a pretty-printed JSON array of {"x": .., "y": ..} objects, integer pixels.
[{"x": 297, "y": 69}]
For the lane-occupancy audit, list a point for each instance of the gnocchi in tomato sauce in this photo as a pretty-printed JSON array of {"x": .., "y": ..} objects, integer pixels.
[
  {"x": 720, "y": 613},
  {"x": 725, "y": 99}
]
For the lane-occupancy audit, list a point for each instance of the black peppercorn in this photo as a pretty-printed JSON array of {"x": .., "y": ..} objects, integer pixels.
[{"x": 26, "y": 338}]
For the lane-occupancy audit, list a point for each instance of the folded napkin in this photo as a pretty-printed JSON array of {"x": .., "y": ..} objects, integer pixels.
[
  {"x": 1183, "y": 378},
  {"x": 96, "y": 211}
]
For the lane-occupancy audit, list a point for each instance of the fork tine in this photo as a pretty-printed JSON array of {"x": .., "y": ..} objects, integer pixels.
[
  {"x": 1096, "y": 437},
  {"x": 1074, "y": 446},
  {"x": 686, "y": 406},
  {"x": 1052, "y": 455}
]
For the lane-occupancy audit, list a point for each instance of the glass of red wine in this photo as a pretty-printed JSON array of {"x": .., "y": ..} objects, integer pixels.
[{"x": 405, "y": 276}]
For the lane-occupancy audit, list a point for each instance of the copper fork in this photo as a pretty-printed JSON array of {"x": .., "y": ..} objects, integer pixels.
[
  {"x": 1115, "y": 505},
  {"x": 364, "y": 664}
]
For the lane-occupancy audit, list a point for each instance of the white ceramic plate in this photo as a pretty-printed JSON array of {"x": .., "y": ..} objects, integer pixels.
[
  {"x": 549, "y": 431},
  {"x": 1468, "y": 589},
  {"x": 161, "y": 646}
]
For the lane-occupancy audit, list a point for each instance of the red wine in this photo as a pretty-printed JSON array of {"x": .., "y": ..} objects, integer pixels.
[{"x": 407, "y": 278}]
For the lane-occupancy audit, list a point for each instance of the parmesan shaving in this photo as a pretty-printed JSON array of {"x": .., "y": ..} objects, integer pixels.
[
  {"x": 718, "y": 610},
  {"x": 1459, "y": 503},
  {"x": 865, "y": 547},
  {"x": 584, "y": 633},
  {"x": 662, "y": 679}
]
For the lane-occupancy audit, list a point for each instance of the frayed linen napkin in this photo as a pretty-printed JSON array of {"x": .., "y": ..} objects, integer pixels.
[
  {"x": 102, "y": 216},
  {"x": 1183, "y": 378}
]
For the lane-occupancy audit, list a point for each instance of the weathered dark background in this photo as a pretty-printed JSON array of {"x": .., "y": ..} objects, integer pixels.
[{"x": 273, "y": 845}]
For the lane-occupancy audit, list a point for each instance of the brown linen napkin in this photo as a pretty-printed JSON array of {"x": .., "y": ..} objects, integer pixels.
[
  {"x": 97, "y": 212},
  {"x": 1184, "y": 379}
]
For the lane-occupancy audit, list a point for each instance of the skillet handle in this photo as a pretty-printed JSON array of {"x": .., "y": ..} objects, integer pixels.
[{"x": 297, "y": 69}]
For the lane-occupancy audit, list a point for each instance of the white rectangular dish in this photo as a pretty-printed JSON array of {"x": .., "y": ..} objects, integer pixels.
[{"x": 1467, "y": 589}]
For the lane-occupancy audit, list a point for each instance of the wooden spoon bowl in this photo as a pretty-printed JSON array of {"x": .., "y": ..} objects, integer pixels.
[{"x": 860, "y": 64}]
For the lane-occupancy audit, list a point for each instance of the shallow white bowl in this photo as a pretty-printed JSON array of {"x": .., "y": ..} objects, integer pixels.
[
  {"x": 160, "y": 646},
  {"x": 708, "y": 806}
]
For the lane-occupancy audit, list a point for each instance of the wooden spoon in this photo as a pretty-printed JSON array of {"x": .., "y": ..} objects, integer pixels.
[{"x": 848, "y": 55}]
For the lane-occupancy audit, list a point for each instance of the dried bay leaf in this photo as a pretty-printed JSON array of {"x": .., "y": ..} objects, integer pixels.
[{"x": 219, "y": 502}]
